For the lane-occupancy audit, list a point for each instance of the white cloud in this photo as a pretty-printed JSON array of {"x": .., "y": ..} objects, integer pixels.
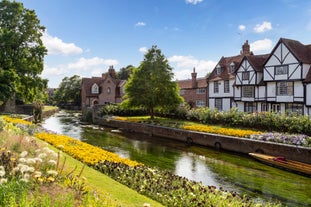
[
  {"x": 143, "y": 50},
  {"x": 261, "y": 45},
  {"x": 242, "y": 27},
  {"x": 140, "y": 24},
  {"x": 194, "y": 2},
  {"x": 48, "y": 71},
  {"x": 265, "y": 26},
  {"x": 87, "y": 64},
  {"x": 184, "y": 66},
  {"x": 56, "y": 46}
]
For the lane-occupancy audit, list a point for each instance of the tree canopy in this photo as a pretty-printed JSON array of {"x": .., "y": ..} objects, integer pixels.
[
  {"x": 69, "y": 91},
  {"x": 150, "y": 86},
  {"x": 21, "y": 52},
  {"x": 125, "y": 73}
]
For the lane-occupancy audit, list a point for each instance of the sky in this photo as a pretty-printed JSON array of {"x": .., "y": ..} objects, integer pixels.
[{"x": 85, "y": 37}]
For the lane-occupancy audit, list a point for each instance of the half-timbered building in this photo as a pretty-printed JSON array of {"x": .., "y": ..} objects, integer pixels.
[
  {"x": 222, "y": 78},
  {"x": 286, "y": 72},
  {"x": 249, "y": 88}
]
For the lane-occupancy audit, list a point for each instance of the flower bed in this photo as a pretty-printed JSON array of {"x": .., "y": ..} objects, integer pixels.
[
  {"x": 292, "y": 139},
  {"x": 221, "y": 130},
  {"x": 82, "y": 151}
]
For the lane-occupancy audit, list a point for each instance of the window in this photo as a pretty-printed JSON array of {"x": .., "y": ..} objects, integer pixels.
[
  {"x": 216, "y": 87},
  {"x": 250, "y": 107},
  {"x": 218, "y": 104},
  {"x": 284, "y": 88},
  {"x": 199, "y": 103},
  {"x": 232, "y": 67},
  {"x": 108, "y": 90},
  {"x": 182, "y": 92},
  {"x": 95, "y": 89},
  {"x": 281, "y": 69},
  {"x": 294, "y": 108},
  {"x": 218, "y": 70},
  {"x": 248, "y": 91},
  {"x": 201, "y": 91},
  {"x": 245, "y": 75},
  {"x": 226, "y": 86}
]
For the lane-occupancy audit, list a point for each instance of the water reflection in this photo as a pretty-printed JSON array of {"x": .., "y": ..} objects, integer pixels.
[{"x": 233, "y": 172}]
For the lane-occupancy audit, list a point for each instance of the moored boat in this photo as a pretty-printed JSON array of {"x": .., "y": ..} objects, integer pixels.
[{"x": 282, "y": 162}]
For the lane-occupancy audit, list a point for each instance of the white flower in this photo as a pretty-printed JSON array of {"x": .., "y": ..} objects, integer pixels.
[
  {"x": 3, "y": 180},
  {"x": 23, "y": 160},
  {"x": 37, "y": 174},
  {"x": 37, "y": 150},
  {"x": 53, "y": 162},
  {"x": 26, "y": 176},
  {"x": 24, "y": 180},
  {"x": 37, "y": 159},
  {"x": 23, "y": 154},
  {"x": 52, "y": 172},
  {"x": 30, "y": 161},
  {"x": 1, "y": 168},
  {"x": 2, "y": 173},
  {"x": 42, "y": 155},
  {"x": 31, "y": 169}
]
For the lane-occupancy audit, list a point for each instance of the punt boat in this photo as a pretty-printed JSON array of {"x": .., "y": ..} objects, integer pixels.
[{"x": 282, "y": 162}]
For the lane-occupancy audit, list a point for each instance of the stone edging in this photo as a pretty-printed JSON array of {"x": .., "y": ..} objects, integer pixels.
[{"x": 220, "y": 142}]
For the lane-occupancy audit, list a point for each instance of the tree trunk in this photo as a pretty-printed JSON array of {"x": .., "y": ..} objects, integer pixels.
[{"x": 151, "y": 111}]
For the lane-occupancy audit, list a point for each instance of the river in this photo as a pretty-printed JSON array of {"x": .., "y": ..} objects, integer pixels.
[{"x": 229, "y": 171}]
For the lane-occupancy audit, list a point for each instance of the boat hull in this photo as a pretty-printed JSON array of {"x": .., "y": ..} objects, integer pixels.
[{"x": 283, "y": 163}]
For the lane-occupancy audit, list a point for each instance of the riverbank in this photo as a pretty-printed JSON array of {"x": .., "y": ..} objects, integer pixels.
[{"x": 220, "y": 142}]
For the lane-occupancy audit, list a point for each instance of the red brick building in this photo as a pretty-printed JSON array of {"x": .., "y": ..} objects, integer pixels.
[
  {"x": 194, "y": 90},
  {"x": 101, "y": 90}
]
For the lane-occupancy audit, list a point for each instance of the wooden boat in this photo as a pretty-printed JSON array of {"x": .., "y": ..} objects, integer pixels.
[{"x": 281, "y": 162}]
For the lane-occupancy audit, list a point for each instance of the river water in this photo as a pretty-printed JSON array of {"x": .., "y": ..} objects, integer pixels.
[{"x": 229, "y": 171}]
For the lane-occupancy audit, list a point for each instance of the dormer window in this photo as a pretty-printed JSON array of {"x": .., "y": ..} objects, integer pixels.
[
  {"x": 218, "y": 70},
  {"x": 232, "y": 67},
  {"x": 95, "y": 89}
]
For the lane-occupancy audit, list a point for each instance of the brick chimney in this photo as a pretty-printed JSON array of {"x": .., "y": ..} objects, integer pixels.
[
  {"x": 194, "y": 79},
  {"x": 112, "y": 72},
  {"x": 246, "y": 49}
]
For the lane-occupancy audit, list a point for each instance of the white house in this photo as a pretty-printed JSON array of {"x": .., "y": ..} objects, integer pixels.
[
  {"x": 249, "y": 88},
  {"x": 285, "y": 74},
  {"x": 222, "y": 78}
]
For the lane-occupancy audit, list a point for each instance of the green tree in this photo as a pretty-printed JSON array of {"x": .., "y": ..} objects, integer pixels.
[
  {"x": 69, "y": 91},
  {"x": 21, "y": 52},
  {"x": 151, "y": 85},
  {"x": 125, "y": 73}
]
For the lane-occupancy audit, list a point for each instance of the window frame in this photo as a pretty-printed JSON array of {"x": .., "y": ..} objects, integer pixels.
[
  {"x": 250, "y": 107},
  {"x": 216, "y": 86},
  {"x": 95, "y": 89},
  {"x": 245, "y": 75},
  {"x": 281, "y": 69},
  {"x": 226, "y": 86},
  {"x": 218, "y": 104},
  {"x": 200, "y": 90},
  {"x": 285, "y": 90},
  {"x": 245, "y": 92}
]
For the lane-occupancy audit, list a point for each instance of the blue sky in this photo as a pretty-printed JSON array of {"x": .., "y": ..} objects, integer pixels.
[{"x": 85, "y": 37}]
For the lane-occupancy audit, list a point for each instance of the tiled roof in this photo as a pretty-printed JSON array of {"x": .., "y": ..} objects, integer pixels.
[
  {"x": 257, "y": 61},
  {"x": 88, "y": 82},
  {"x": 301, "y": 51},
  {"x": 224, "y": 63},
  {"x": 187, "y": 84}
]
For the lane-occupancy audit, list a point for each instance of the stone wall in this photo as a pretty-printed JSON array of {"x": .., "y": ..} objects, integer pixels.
[{"x": 220, "y": 142}]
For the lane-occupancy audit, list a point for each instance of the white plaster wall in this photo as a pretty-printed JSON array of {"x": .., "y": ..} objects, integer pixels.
[
  {"x": 226, "y": 104},
  {"x": 271, "y": 89},
  {"x": 308, "y": 94},
  {"x": 293, "y": 72},
  {"x": 298, "y": 89},
  {"x": 305, "y": 70}
]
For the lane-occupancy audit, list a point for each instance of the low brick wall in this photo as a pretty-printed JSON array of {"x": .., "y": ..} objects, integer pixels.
[{"x": 221, "y": 142}]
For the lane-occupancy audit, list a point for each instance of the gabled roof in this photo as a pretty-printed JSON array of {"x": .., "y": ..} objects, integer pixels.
[
  {"x": 87, "y": 84},
  {"x": 300, "y": 51},
  {"x": 224, "y": 63},
  {"x": 256, "y": 61}
]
